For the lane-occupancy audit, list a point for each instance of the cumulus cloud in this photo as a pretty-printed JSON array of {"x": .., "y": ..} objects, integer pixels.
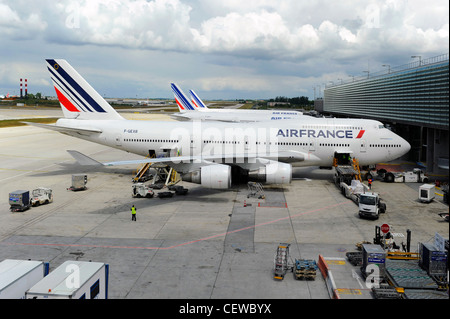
[
  {"x": 18, "y": 25},
  {"x": 321, "y": 37},
  {"x": 266, "y": 29}
]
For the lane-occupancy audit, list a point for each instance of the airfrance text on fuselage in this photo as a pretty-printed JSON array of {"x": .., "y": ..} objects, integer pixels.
[{"x": 318, "y": 133}]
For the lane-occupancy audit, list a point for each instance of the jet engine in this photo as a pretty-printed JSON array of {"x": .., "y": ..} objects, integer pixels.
[
  {"x": 216, "y": 176},
  {"x": 273, "y": 173}
]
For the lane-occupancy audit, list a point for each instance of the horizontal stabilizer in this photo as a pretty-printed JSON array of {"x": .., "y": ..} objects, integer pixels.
[{"x": 66, "y": 130}]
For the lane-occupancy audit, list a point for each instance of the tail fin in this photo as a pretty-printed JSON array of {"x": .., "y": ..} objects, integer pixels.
[
  {"x": 197, "y": 101},
  {"x": 183, "y": 102},
  {"x": 77, "y": 98}
]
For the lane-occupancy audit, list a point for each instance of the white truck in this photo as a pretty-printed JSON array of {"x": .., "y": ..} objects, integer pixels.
[
  {"x": 41, "y": 195},
  {"x": 17, "y": 276},
  {"x": 73, "y": 280},
  {"x": 370, "y": 205}
]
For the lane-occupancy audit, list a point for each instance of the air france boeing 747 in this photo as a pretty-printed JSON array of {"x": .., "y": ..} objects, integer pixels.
[
  {"x": 195, "y": 109},
  {"x": 211, "y": 153}
]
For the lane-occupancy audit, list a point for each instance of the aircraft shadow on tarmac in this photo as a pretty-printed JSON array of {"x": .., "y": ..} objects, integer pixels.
[{"x": 195, "y": 193}]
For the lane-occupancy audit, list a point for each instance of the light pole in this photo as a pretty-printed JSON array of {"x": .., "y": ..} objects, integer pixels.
[{"x": 417, "y": 56}]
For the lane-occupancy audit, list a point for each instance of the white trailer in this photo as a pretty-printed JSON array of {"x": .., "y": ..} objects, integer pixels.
[
  {"x": 73, "y": 280},
  {"x": 427, "y": 193},
  {"x": 17, "y": 276}
]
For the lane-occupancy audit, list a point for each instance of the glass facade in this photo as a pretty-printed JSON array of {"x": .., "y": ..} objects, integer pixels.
[{"x": 415, "y": 94}]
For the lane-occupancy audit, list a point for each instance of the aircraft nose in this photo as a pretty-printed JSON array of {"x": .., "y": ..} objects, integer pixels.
[{"x": 405, "y": 146}]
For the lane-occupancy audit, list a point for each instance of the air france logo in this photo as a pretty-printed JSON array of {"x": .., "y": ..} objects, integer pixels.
[{"x": 318, "y": 133}]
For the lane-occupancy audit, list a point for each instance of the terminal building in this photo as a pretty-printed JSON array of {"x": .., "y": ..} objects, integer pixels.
[{"x": 411, "y": 99}]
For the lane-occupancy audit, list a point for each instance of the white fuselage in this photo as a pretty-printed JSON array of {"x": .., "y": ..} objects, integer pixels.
[
  {"x": 316, "y": 140},
  {"x": 238, "y": 115}
]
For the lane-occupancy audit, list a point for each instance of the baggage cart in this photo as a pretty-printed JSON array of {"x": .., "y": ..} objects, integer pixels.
[
  {"x": 79, "y": 182},
  {"x": 305, "y": 269},
  {"x": 19, "y": 200}
]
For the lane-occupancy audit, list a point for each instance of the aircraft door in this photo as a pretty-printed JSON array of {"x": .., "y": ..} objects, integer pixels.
[
  {"x": 118, "y": 140},
  {"x": 312, "y": 145},
  {"x": 363, "y": 146}
]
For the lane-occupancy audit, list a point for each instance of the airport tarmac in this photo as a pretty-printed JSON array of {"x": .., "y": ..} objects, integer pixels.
[{"x": 208, "y": 244}]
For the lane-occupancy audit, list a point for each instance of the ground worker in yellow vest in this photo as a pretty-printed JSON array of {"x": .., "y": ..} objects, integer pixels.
[{"x": 133, "y": 213}]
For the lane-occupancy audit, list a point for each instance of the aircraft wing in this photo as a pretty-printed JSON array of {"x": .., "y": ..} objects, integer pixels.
[{"x": 184, "y": 164}]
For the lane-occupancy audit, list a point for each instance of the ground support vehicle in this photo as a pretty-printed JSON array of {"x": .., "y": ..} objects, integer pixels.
[
  {"x": 281, "y": 261},
  {"x": 355, "y": 258},
  {"x": 41, "y": 195},
  {"x": 386, "y": 291},
  {"x": 370, "y": 205},
  {"x": 141, "y": 190},
  {"x": 348, "y": 180},
  {"x": 179, "y": 190},
  {"x": 19, "y": 200},
  {"x": 414, "y": 176},
  {"x": 165, "y": 194}
]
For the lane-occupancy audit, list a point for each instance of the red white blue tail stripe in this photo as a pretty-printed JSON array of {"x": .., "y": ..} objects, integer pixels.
[
  {"x": 183, "y": 102},
  {"x": 77, "y": 98},
  {"x": 197, "y": 100}
]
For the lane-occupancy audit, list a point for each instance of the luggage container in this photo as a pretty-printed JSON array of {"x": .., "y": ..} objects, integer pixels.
[
  {"x": 19, "y": 200},
  {"x": 432, "y": 260},
  {"x": 373, "y": 255},
  {"x": 426, "y": 193},
  {"x": 79, "y": 182},
  {"x": 73, "y": 280},
  {"x": 17, "y": 276}
]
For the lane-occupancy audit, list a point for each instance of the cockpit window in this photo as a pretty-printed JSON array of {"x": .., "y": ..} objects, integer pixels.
[{"x": 381, "y": 126}]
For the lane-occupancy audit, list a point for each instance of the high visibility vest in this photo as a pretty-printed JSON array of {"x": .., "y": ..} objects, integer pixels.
[{"x": 133, "y": 210}]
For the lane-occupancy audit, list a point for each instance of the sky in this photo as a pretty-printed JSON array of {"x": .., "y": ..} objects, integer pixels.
[{"x": 227, "y": 49}]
